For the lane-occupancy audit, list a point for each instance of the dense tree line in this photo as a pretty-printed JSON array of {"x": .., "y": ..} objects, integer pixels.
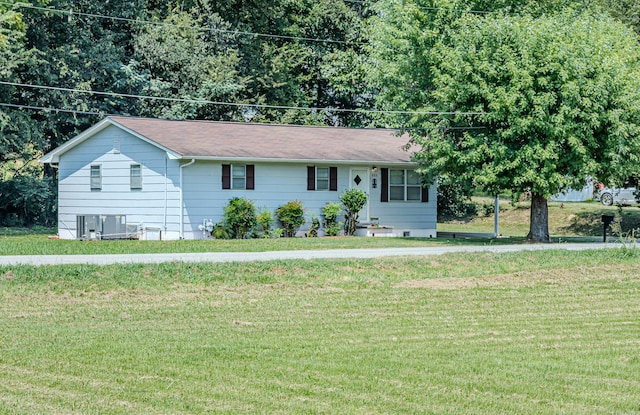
[{"x": 182, "y": 59}]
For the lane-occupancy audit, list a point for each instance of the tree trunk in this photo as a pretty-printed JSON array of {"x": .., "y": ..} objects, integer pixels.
[{"x": 539, "y": 224}]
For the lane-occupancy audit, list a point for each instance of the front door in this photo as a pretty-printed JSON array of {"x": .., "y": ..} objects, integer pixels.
[{"x": 360, "y": 180}]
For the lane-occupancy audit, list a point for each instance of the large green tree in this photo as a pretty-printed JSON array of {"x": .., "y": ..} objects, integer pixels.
[{"x": 538, "y": 104}]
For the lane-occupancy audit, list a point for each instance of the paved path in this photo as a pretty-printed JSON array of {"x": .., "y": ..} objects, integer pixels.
[{"x": 276, "y": 255}]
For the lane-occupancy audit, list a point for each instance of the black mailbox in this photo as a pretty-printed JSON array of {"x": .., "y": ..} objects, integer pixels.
[{"x": 606, "y": 221}]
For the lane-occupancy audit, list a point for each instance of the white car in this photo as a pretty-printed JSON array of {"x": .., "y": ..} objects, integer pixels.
[{"x": 618, "y": 196}]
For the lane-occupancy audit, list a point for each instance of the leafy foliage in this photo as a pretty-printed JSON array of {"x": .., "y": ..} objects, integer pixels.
[
  {"x": 540, "y": 102},
  {"x": 240, "y": 217},
  {"x": 353, "y": 201},
  {"x": 330, "y": 212},
  {"x": 291, "y": 216}
]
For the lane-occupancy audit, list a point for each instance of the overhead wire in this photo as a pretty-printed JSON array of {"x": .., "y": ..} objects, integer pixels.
[
  {"x": 50, "y": 109},
  {"x": 200, "y": 101},
  {"x": 71, "y": 13},
  {"x": 236, "y": 104}
]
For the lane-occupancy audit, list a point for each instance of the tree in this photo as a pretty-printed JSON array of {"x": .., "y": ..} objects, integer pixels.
[
  {"x": 539, "y": 103},
  {"x": 176, "y": 60},
  {"x": 627, "y": 11}
]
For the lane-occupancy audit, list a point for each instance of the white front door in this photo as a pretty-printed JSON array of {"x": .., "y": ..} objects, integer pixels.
[{"x": 360, "y": 180}]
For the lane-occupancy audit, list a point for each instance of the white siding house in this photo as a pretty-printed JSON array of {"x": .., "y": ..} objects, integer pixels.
[{"x": 159, "y": 179}]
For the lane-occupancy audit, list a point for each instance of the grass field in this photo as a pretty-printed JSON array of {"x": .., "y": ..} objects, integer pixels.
[
  {"x": 526, "y": 333},
  {"x": 565, "y": 219}
]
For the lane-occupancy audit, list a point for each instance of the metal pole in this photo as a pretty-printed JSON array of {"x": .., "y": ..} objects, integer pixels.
[{"x": 496, "y": 213}]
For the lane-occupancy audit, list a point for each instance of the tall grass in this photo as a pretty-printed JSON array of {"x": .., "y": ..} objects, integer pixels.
[{"x": 527, "y": 333}]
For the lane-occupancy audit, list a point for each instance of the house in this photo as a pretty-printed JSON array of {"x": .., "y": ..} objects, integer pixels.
[{"x": 161, "y": 179}]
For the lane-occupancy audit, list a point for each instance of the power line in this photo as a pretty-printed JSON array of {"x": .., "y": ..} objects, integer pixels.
[
  {"x": 235, "y": 104},
  {"x": 366, "y": 3},
  {"x": 71, "y": 13},
  {"x": 32, "y": 107}
]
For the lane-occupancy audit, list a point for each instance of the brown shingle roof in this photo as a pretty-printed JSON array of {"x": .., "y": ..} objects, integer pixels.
[{"x": 229, "y": 140}]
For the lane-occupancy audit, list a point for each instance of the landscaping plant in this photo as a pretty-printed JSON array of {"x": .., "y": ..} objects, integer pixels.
[
  {"x": 330, "y": 211},
  {"x": 240, "y": 217},
  {"x": 291, "y": 216},
  {"x": 353, "y": 201}
]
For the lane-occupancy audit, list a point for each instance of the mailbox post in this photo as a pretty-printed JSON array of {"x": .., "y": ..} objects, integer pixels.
[{"x": 606, "y": 221}]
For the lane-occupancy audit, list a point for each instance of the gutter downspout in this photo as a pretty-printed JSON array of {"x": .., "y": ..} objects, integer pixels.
[
  {"x": 166, "y": 196},
  {"x": 182, "y": 166}
]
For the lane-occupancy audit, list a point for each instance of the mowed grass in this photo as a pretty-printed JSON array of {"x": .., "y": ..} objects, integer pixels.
[
  {"x": 526, "y": 333},
  {"x": 566, "y": 219}
]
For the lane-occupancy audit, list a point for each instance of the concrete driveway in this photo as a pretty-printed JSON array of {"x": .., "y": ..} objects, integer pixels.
[{"x": 282, "y": 255}]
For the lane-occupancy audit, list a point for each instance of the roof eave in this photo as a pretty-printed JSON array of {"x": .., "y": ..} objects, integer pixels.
[
  {"x": 54, "y": 155},
  {"x": 313, "y": 161}
]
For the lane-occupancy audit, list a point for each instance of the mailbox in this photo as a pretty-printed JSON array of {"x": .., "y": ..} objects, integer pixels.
[{"x": 606, "y": 221}]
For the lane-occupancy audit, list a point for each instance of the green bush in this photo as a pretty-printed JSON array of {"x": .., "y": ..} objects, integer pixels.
[
  {"x": 330, "y": 211},
  {"x": 313, "y": 229},
  {"x": 291, "y": 216},
  {"x": 265, "y": 219},
  {"x": 353, "y": 200},
  {"x": 240, "y": 217},
  {"x": 221, "y": 231}
]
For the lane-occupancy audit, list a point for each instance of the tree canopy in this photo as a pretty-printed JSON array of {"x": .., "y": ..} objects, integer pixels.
[{"x": 535, "y": 103}]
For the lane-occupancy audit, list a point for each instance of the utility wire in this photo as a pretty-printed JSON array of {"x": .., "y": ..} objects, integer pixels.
[
  {"x": 235, "y": 104},
  {"x": 32, "y": 107},
  {"x": 71, "y": 13}
]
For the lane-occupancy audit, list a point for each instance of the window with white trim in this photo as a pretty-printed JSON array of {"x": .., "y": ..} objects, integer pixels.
[
  {"x": 238, "y": 176},
  {"x": 404, "y": 185},
  {"x": 135, "y": 176},
  {"x": 96, "y": 177},
  {"x": 322, "y": 178}
]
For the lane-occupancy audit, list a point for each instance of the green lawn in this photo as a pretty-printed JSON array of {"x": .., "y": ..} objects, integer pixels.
[
  {"x": 568, "y": 219},
  {"x": 525, "y": 333}
]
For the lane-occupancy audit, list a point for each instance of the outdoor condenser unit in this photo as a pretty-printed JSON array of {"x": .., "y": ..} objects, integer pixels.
[{"x": 91, "y": 227}]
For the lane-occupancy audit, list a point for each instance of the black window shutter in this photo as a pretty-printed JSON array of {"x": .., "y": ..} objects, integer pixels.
[
  {"x": 250, "y": 172},
  {"x": 311, "y": 178},
  {"x": 226, "y": 176},
  {"x": 333, "y": 178},
  {"x": 384, "y": 185},
  {"x": 425, "y": 194}
]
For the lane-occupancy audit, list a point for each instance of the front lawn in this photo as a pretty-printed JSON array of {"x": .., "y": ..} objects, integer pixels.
[{"x": 525, "y": 333}]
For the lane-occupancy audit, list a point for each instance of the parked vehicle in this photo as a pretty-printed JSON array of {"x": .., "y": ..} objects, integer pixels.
[{"x": 618, "y": 196}]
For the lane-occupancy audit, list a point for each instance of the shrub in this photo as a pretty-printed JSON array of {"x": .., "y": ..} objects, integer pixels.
[
  {"x": 313, "y": 229},
  {"x": 265, "y": 219},
  {"x": 240, "y": 217},
  {"x": 353, "y": 200},
  {"x": 221, "y": 231},
  {"x": 291, "y": 216},
  {"x": 330, "y": 211}
]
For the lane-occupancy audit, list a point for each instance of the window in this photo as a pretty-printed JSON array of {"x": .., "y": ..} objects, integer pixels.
[
  {"x": 322, "y": 178},
  {"x": 135, "y": 174},
  {"x": 238, "y": 176},
  {"x": 96, "y": 177},
  {"x": 402, "y": 185}
]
